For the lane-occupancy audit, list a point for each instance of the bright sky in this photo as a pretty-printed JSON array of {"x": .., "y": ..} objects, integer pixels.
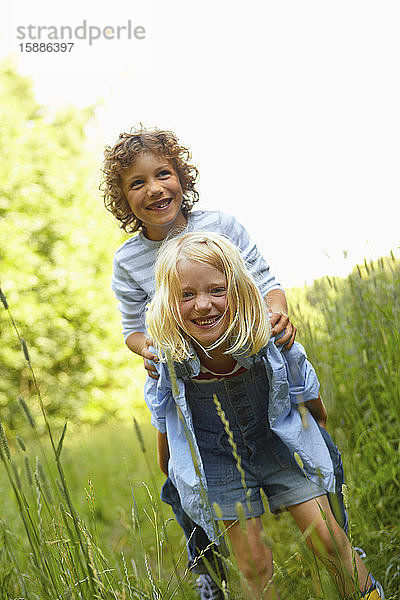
[{"x": 290, "y": 108}]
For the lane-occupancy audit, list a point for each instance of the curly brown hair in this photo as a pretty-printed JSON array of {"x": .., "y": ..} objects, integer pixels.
[{"x": 125, "y": 152}]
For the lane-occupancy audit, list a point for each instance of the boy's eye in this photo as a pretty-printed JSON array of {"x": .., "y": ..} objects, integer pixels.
[
  {"x": 164, "y": 173},
  {"x": 136, "y": 183}
]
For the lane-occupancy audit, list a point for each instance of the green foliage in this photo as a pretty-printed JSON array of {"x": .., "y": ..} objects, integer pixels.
[{"x": 56, "y": 243}]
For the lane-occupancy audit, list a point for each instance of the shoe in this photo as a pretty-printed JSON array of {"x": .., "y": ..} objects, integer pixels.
[
  {"x": 376, "y": 586},
  {"x": 373, "y": 593},
  {"x": 208, "y": 589}
]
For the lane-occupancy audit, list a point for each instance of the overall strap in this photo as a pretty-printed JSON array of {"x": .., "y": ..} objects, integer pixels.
[{"x": 183, "y": 370}]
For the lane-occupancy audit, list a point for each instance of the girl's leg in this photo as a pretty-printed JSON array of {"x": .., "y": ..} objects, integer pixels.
[
  {"x": 329, "y": 541},
  {"x": 253, "y": 557}
]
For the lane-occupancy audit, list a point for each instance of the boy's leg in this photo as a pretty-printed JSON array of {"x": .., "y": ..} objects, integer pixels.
[
  {"x": 169, "y": 494},
  {"x": 329, "y": 541},
  {"x": 253, "y": 558},
  {"x": 336, "y": 501},
  {"x": 198, "y": 545}
]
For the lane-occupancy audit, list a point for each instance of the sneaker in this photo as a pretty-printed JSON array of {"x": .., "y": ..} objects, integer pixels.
[
  {"x": 373, "y": 593},
  {"x": 208, "y": 589},
  {"x": 376, "y": 586}
]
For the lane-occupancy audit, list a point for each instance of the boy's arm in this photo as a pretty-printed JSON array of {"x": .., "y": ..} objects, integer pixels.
[
  {"x": 163, "y": 452},
  {"x": 131, "y": 303},
  {"x": 277, "y": 304},
  {"x": 318, "y": 410},
  {"x": 259, "y": 269},
  {"x": 139, "y": 343}
]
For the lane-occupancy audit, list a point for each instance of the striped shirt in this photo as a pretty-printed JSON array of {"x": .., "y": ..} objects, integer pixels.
[{"x": 133, "y": 268}]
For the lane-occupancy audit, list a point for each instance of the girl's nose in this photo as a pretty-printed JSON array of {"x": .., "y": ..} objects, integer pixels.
[{"x": 203, "y": 303}]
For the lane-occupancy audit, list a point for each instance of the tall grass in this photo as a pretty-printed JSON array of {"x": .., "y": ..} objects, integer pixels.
[
  {"x": 58, "y": 554},
  {"x": 351, "y": 330},
  {"x": 90, "y": 523}
]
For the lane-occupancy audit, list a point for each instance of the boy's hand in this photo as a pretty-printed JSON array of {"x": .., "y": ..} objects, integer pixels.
[
  {"x": 149, "y": 355},
  {"x": 279, "y": 322}
]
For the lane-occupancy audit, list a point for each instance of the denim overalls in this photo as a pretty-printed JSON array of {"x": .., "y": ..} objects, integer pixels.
[
  {"x": 265, "y": 461},
  {"x": 162, "y": 405},
  {"x": 243, "y": 400}
]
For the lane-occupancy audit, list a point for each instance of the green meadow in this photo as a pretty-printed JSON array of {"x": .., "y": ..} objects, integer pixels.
[{"x": 81, "y": 515}]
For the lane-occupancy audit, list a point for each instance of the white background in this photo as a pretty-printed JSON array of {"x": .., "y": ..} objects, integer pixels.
[{"x": 290, "y": 108}]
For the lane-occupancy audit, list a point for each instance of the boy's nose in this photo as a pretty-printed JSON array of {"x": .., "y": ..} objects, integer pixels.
[{"x": 154, "y": 188}]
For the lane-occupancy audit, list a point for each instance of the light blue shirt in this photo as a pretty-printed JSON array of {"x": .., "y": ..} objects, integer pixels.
[{"x": 291, "y": 378}]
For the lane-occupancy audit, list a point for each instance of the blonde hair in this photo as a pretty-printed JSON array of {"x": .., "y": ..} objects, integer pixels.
[{"x": 248, "y": 327}]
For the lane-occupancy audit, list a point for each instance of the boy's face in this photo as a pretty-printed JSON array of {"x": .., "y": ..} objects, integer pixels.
[
  {"x": 154, "y": 193},
  {"x": 203, "y": 304}
]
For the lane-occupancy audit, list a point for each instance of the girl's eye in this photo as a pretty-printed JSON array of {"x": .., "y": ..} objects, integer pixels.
[
  {"x": 218, "y": 291},
  {"x": 187, "y": 295}
]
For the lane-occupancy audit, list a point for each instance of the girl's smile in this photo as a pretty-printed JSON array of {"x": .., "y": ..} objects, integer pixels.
[
  {"x": 154, "y": 193},
  {"x": 203, "y": 306}
]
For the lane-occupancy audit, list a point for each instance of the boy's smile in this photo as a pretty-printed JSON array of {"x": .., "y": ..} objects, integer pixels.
[
  {"x": 154, "y": 194},
  {"x": 203, "y": 303}
]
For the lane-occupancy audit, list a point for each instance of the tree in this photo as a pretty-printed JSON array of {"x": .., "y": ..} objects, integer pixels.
[{"x": 56, "y": 242}]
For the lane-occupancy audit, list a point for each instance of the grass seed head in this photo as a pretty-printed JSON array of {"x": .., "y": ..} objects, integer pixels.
[
  {"x": 303, "y": 414},
  {"x": 297, "y": 458},
  {"x": 4, "y": 442},
  {"x": 21, "y": 443},
  {"x": 172, "y": 374},
  {"x": 16, "y": 475},
  {"x": 3, "y": 299},
  {"x": 139, "y": 435},
  {"x": 241, "y": 516},
  {"x": 28, "y": 470},
  {"x": 41, "y": 478},
  {"x": 217, "y": 510},
  {"x": 27, "y": 412},
  {"x": 25, "y": 350}
]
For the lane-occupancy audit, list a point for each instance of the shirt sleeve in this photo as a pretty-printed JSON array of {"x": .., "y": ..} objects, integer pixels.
[
  {"x": 157, "y": 394},
  {"x": 256, "y": 263},
  {"x": 132, "y": 300},
  {"x": 302, "y": 378}
]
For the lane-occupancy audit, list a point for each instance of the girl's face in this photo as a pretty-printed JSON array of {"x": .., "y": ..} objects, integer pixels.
[
  {"x": 154, "y": 193},
  {"x": 203, "y": 305}
]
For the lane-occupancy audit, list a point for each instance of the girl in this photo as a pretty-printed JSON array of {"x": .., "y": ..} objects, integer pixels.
[{"x": 228, "y": 424}]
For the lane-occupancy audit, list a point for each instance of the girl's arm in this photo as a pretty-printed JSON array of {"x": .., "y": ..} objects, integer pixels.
[
  {"x": 163, "y": 452},
  {"x": 318, "y": 410}
]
